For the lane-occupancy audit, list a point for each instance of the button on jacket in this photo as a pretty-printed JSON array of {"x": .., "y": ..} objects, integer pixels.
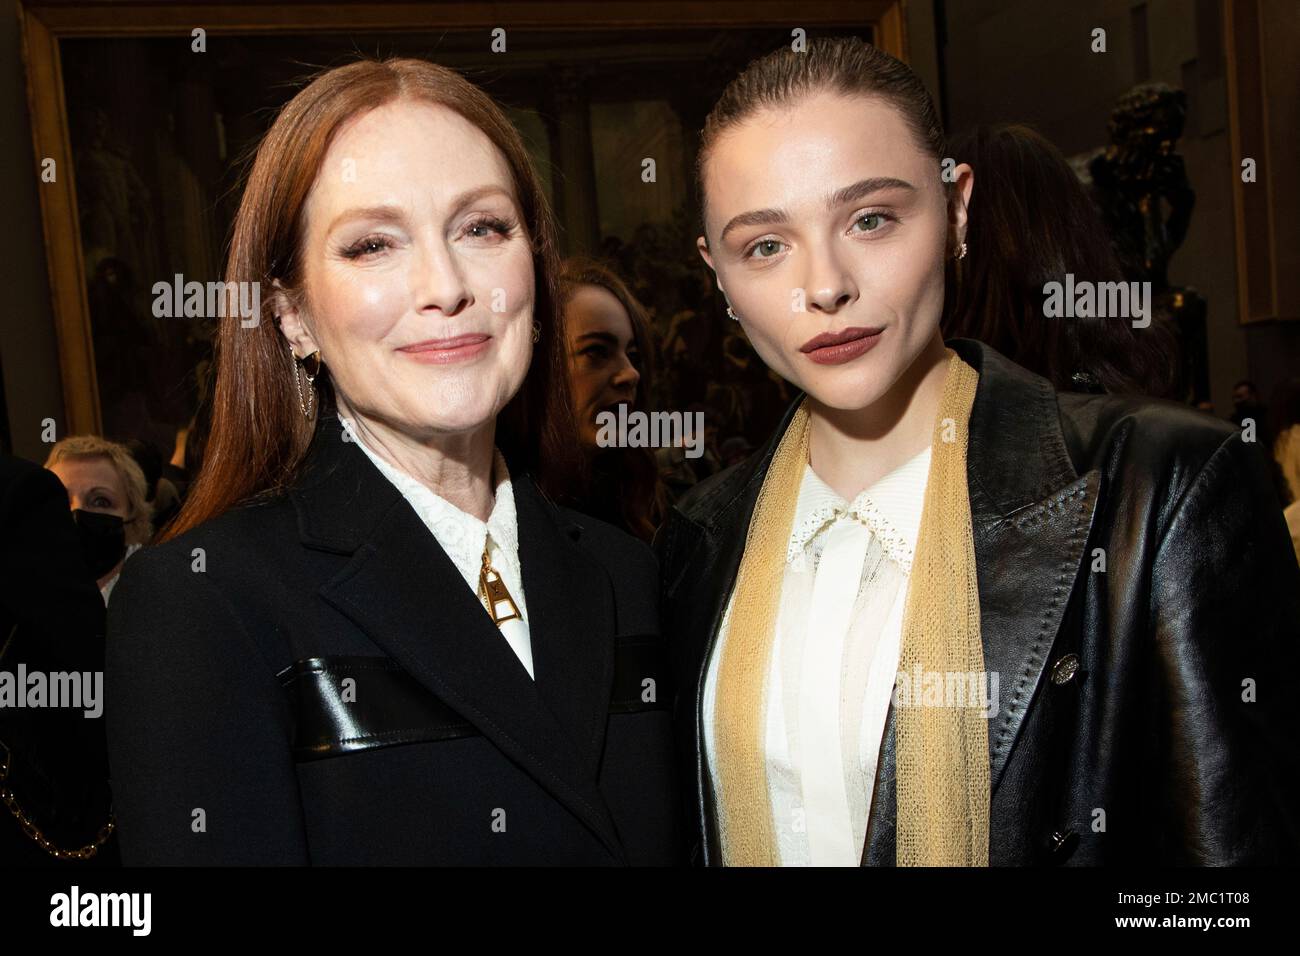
[
  {"x": 309, "y": 680},
  {"x": 1139, "y": 602}
]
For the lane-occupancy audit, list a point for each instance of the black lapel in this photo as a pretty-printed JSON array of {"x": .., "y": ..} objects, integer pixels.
[
  {"x": 713, "y": 536},
  {"x": 571, "y": 623},
  {"x": 404, "y": 592},
  {"x": 1032, "y": 514},
  {"x": 711, "y": 527}
]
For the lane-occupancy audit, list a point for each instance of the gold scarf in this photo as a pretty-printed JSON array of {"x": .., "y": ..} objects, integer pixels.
[{"x": 943, "y": 781}]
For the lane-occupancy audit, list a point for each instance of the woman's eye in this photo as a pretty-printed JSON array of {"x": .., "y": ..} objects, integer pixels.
[
  {"x": 595, "y": 351},
  {"x": 101, "y": 502},
  {"x": 487, "y": 227},
  {"x": 765, "y": 249},
  {"x": 871, "y": 222},
  {"x": 366, "y": 247}
]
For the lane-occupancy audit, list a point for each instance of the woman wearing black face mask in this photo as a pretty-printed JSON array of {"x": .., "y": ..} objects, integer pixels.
[{"x": 107, "y": 492}]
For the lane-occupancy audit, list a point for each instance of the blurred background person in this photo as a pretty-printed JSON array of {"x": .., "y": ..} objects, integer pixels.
[
  {"x": 163, "y": 496},
  {"x": 1032, "y": 222},
  {"x": 611, "y": 363},
  {"x": 108, "y": 495},
  {"x": 1286, "y": 451},
  {"x": 1246, "y": 405}
]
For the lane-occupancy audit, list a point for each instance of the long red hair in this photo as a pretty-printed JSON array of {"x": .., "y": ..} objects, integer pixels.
[{"x": 259, "y": 436}]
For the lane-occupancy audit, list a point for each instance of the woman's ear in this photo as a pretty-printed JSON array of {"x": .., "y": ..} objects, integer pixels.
[
  {"x": 292, "y": 325},
  {"x": 959, "y": 201},
  {"x": 702, "y": 245}
]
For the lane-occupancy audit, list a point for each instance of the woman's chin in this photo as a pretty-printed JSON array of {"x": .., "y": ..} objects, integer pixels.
[{"x": 847, "y": 395}]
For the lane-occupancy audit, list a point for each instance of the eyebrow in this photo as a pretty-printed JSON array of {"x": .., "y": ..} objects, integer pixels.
[
  {"x": 388, "y": 213},
  {"x": 609, "y": 338},
  {"x": 859, "y": 190}
]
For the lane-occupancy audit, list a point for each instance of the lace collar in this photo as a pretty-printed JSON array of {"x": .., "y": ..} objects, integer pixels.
[{"x": 890, "y": 508}]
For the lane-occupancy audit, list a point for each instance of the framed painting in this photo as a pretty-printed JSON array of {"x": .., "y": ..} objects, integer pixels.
[{"x": 142, "y": 112}]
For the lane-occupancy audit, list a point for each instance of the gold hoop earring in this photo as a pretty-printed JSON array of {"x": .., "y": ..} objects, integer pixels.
[
  {"x": 537, "y": 332},
  {"x": 308, "y": 366}
]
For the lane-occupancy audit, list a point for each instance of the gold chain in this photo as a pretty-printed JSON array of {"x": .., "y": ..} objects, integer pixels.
[
  {"x": 10, "y": 800},
  {"x": 32, "y": 830}
]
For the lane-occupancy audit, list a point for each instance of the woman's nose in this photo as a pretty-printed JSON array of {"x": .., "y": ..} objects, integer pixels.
[
  {"x": 627, "y": 376},
  {"x": 829, "y": 285},
  {"x": 438, "y": 282}
]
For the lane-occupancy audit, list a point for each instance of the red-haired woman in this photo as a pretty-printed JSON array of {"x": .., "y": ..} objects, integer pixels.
[{"x": 371, "y": 636}]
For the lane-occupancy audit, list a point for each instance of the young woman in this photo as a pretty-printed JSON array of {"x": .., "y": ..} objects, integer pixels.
[
  {"x": 371, "y": 637},
  {"x": 948, "y": 615},
  {"x": 611, "y": 363}
]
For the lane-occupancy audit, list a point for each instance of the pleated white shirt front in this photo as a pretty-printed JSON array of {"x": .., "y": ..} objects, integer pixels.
[{"x": 833, "y": 664}]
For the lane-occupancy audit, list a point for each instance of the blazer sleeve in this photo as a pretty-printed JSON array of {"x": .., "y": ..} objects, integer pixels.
[
  {"x": 198, "y": 727},
  {"x": 1226, "y": 631}
]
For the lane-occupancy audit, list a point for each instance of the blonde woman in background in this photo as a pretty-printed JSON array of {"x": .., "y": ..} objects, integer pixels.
[{"x": 106, "y": 490}]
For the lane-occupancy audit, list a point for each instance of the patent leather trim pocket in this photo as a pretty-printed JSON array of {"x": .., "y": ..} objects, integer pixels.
[{"x": 344, "y": 704}]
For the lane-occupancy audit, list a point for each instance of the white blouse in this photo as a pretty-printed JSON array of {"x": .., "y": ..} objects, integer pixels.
[
  {"x": 834, "y": 662},
  {"x": 462, "y": 536}
]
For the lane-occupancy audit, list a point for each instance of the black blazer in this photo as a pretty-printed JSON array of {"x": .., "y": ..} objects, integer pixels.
[
  {"x": 1121, "y": 735},
  {"x": 311, "y": 680}
]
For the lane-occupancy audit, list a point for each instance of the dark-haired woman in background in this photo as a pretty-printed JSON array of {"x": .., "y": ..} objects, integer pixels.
[
  {"x": 370, "y": 637},
  {"x": 611, "y": 363},
  {"x": 1031, "y": 222}
]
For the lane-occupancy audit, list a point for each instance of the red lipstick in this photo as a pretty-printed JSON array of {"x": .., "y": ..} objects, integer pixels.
[{"x": 836, "y": 348}]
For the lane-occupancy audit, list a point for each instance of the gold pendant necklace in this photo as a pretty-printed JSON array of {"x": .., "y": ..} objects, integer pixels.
[{"x": 492, "y": 591}]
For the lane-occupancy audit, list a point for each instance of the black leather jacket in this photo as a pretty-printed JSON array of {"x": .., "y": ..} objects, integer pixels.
[{"x": 1145, "y": 711}]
